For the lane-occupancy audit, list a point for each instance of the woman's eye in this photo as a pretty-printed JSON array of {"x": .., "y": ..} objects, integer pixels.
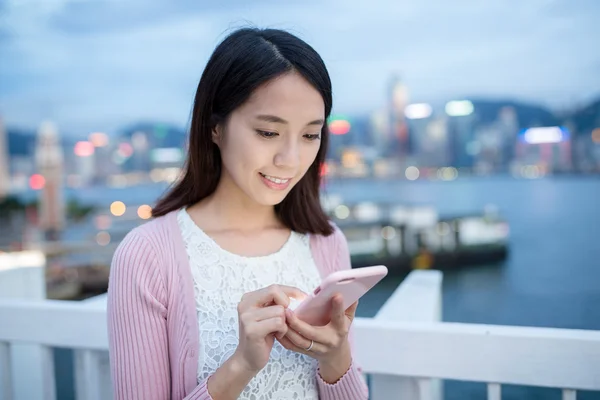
[
  {"x": 266, "y": 134},
  {"x": 312, "y": 136}
]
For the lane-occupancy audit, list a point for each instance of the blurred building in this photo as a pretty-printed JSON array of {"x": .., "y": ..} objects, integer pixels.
[
  {"x": 548, "y": 148},
  {"x": 398, "y": 142},
  {"x": 85, "y": 162},
  {"x": 508, "y": 124},
  {"x": 4, "y": 162},
  {"x": 50, "y": 162},
  {"x": 428, "y": 135},
  {"x": 461, "y": 132}
]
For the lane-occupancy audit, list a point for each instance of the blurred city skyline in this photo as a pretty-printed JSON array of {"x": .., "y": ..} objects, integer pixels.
[{"x": 96, "y": 66}]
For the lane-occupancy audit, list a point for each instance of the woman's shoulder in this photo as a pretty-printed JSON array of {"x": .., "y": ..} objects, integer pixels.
[
  {"x": 334, "y": 239},
  {"x": 145, "y": 242},
  {"x": 331, "y": 251}
]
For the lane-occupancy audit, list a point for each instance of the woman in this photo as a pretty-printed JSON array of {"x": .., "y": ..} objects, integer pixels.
[{"x": 198, "y": 297}]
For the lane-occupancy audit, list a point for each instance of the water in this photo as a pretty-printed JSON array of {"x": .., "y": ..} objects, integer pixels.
[
  {"x": 552, "y": 275},
  {"x": 551, "y": 278}
]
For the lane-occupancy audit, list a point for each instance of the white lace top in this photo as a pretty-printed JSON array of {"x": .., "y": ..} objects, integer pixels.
[{"x": 220, "y": 280}]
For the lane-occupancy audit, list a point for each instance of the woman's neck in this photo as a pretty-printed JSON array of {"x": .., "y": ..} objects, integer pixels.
[{"x": 228, "y": 208}]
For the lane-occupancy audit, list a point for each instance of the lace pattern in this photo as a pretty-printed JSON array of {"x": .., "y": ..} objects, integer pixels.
[{"x": 220, "y": 280}]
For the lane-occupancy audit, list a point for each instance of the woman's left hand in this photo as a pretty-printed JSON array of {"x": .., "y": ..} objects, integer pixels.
[{"x": 328, "y": 343}]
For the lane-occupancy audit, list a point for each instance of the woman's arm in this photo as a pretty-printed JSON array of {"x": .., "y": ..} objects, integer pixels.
[
  {"x": 138, "y": 342},
  {"x": 351, "y": 385}
]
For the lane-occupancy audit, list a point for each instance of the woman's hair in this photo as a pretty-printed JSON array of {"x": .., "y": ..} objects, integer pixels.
[{"x": 243, "y": 61}]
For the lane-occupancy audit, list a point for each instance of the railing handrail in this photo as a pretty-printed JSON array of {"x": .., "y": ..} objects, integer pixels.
[
  {"x": 549, "y": 357},
  {"x": 544, "y": 357},
  {"x": 50, "y": 323}
]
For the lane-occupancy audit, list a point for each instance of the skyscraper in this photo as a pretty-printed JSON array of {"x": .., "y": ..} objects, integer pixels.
[
  {"x": 50, "y": 162},
  {"x": 398, "y": 141},
  {"x": 4, "y": 173}
]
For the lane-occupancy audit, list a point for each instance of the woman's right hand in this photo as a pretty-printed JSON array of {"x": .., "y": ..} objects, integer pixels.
[{"x": 261, "y": 316}]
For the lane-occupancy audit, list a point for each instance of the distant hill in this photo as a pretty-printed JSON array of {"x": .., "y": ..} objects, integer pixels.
[
  {"x": 586, "y": 118},
  {"x": 528, "y": 115},
  {"x": 158, "y": 134}
]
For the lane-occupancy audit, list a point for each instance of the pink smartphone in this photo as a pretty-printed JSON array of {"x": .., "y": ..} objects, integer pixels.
[{"x": 351, "y": 284}]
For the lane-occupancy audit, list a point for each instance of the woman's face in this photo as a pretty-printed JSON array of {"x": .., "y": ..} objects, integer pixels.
[{"x": 268, "y": 143}]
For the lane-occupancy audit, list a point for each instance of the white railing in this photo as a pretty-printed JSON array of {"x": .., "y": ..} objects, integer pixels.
[{"x": 405, "y": 348}]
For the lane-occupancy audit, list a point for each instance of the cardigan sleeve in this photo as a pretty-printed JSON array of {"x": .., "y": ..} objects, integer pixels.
[
  {"x": 352, "y": 385},
  {"x": 137, "y": 325}
]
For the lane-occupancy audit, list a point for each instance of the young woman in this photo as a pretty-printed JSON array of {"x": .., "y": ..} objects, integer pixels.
[{"x": 198, "y": 297}]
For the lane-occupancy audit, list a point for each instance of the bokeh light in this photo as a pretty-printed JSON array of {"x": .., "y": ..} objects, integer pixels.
[
  {"x": 103, "y": 238},
  {"x": 117, "y": 208},
  {"x": 596, "y": 135},
  {"x": 99, "y": 139},
  {"x": 412, "y": 173},
  {"x": 83, "y": 149},
  {"x": 144, "y": 211},
  {"x": 388, "y": 232},
  {"x": 342, "y": 211},
  {"x": 339, "y": 127},
  {"x": 37, "y": 182}
]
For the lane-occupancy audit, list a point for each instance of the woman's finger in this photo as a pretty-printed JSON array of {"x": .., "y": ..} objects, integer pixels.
[
  {"x": 338, "y": 314},
  {"x": 274, "y": 294},
  {"x": 351, "y": 311},
  {"x": 290, "y": 345},
  {"x": 262, "y": 313},
  {"x": 306, "y": 330},
  {"x": 298, "y": 339},
  {"x": 260, "y": 329}
]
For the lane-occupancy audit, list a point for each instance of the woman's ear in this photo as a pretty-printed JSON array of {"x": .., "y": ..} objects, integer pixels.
[{"x": 217, "y": 134}]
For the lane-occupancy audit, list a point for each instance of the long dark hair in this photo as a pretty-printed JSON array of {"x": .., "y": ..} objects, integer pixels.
[{"x": 243, "y": 61}]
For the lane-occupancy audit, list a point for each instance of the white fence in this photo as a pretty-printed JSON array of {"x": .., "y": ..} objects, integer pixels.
[{"x": 405, "y": 348}]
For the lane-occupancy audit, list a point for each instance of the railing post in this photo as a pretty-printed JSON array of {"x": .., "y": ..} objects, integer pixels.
[
  {"x": 23, "y": 276},
  {"x": 92, "y": 375},
  {"x": 417, "y": 299},
  {"x": 6, "y": 389}
]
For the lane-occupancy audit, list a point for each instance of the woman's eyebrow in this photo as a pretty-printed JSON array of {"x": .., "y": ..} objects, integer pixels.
[{"x": 279, "y": 120}]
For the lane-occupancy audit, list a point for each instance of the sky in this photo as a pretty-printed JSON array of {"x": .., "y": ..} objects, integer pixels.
[{"x": 99, "y": 65}]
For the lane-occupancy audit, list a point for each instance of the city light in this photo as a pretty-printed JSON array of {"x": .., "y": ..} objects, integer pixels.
[
  {"x": 37, "y": 182},
  {"x": 459, "y": 108},
  {"x": 324, "y": 169},
  {"x": 417, "y": 111},
  {"x": 596, "y": 135},
  {"x": 117, "y": 208},
  {"x": 351, "y": 158},
  {"x": 531, "y": 172},
  {"x": 125, "y": 150},
  {"x": 144, "y": 211},
  {"x": 447, "y": 173},
  {"x": 103, "y": 238},
  {"x": 99, "y": 139},
  {"x": 339, "y": 126},
  {"x": 547, "y": 134},
  {"x": 342, "y": 212},
  {"x": 412, "y": 173},
  {"x": 388, "y": 232},
  {"x": 84, "y": 149},
  {"x": 156, "y": 175},
  {"x": 443, "y": 228}
]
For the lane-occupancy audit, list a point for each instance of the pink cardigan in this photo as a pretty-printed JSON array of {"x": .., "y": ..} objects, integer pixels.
[{"x": 152, "y": 321}]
